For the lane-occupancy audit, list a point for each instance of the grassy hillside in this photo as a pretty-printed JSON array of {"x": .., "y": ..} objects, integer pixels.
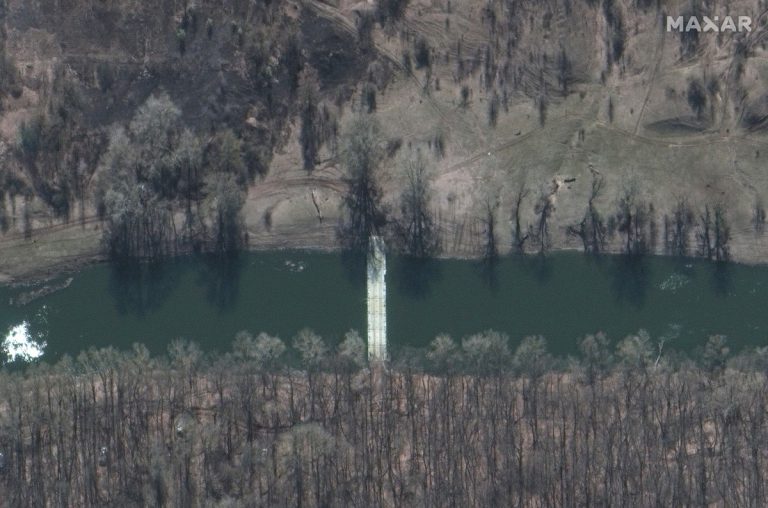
[{"x": 529, "y": 99}]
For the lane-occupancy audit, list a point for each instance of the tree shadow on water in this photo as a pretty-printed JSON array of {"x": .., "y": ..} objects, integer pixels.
[
  {"x": 139, "y": 287},
  {"x": 414, "y": 277},
  {"x": 220, "y": 276},
  {"x": 631, "y": 279},
  {"x": 722, "y": 278},
  {"x": 489, "y": 273},
  {"x": 354, "y": 266},
  {"x": 542, "y": 268}
]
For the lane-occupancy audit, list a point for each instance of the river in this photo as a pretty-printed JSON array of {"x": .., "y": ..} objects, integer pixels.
[{"x": 562, "y": 297}]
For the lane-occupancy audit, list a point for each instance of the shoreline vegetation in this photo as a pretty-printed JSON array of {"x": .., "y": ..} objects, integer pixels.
[
  {"x": 471, "y": 423},
  {"x": 160, "y": 190}
]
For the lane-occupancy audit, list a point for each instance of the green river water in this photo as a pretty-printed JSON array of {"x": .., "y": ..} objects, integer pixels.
[{"x": 562, "y": 297}]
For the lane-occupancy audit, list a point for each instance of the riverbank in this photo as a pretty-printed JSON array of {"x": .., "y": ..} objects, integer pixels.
[
  {"x": 50, "y": 252},
  {"x": 67, "y": 248},
  {"x": 290, "y": 210}
]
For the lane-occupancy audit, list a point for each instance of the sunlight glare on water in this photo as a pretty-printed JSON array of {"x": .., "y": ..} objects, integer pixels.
[{"x": 19, "y": 344}]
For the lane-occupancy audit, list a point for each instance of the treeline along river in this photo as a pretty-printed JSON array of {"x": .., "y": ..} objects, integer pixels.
[{"x": 562, "y": 297}]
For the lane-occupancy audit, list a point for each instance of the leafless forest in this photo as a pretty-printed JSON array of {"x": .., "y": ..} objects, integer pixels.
[{"x": 469, "y": 423}]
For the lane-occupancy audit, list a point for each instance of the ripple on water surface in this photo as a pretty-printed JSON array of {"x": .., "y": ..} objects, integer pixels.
[{"x": 674, "y": 282}]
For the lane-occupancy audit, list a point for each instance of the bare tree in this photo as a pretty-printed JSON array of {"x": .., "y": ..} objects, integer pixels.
[
  {"x": 493, "y": 109},
  {"x": 153, "y": 133},
  {"x": 415, "y": 228},
  {"x": 309, "y": 134},
  {"x": 188, "y": 159},
  {"x": 224, "y": 203},
  {"x": 365, "y": 213},
  {"x": 714, "y": 233},
  {"x": 697, "y": 97},
  {"x": 390, "y": 11},
  {"x": 596, "y": 356},
  {"x": 489, "y": 206},
  {"x": 486, "y": 353},
  {"x": 544, "y": 208},
  {"x": 444, "y": 355},
  {"x": 591, "y": 230},
  {"x": 635, "y": 220},
  {"x": 636, "y": 351},
  {"x": 564, "y": 71},
  {"x": 704, "y": 234},
  {"x": 225, "y": 155},
  {"x": 26, "y": 215},
  {"x": 519, "y": 234},
  {"x": 722, "y": 233},
  {"x": 677, "y": 231},
  {"x": 4, "y": 221},
  {"x": 758, "y": 216}
]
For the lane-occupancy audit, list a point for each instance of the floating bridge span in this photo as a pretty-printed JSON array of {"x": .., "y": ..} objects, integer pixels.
[{"x": 377, "y": 300}]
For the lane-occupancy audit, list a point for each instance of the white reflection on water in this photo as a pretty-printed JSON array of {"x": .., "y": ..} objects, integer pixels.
[
  {"x": 20, "y": 345},
  {"x": 674, "y": 282}
]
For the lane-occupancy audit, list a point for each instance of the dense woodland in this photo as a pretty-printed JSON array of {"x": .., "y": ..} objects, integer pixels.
[{"x": 469, "y": 423}]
